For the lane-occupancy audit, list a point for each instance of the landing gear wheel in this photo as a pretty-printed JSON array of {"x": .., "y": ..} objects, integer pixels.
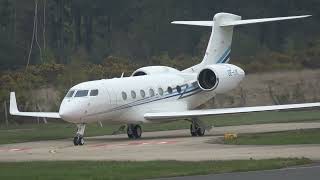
[
  {"x": 137, "y": 131},
  {"x": 130, "y": 133},
  {"x": 78, "y": 140},
  {"x": 193, "y": 131},
  {"x": 200, "y": 131},
  {"x": 134, "y": 131}
]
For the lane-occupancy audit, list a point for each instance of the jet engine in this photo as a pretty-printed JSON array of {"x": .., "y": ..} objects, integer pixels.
[{"x": 220, "y": 77}]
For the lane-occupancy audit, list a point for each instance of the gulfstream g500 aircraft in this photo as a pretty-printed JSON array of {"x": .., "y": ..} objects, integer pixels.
[{"x": 158, "y": 94}]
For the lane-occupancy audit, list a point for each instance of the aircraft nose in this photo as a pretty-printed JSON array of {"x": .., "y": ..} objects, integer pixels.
[
  {"x": 68, "y": 113},
  {"x": 65, "y": 114}
]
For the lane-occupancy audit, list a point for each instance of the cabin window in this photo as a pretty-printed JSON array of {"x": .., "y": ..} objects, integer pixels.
[
  {"x": 82, "y": 93},
  {"x": 160, "y": 90},
  {"x": 94, "y": 92},
  {"x": 178, "y": 89},
  {"x": 169, "y": 90},
  {"x": 124, "y": 96},
  {"x": 133, "y": 94},
  {"x": 151, "y": 92},
  {"x": 142, "y": 93},
  {"x": 70, "y": 94}
]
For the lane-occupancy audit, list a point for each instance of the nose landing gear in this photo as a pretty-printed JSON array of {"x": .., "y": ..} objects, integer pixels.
[
  {"x": 134, "y": 131},
  {"x": 78, "y": 139}
]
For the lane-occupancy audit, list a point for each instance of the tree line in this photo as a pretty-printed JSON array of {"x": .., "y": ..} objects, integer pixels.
[
  {"x": 140, "y": 30},
  {"x": 58, "y": 43}
]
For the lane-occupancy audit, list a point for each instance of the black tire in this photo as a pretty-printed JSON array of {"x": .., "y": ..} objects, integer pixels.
[
  {"x": 75, "y": 141},
  {"x": 201, "y": 131},
  {"x": 137, "y": 132},
  {"x": 81, "y": 141},
  {"x": 193, "y": 133},
  {"x": 130, "y": 134},
  {"x": 78, "y": 141}
]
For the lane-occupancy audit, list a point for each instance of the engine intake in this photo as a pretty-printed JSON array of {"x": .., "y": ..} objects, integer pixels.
[
  {"x": 207, "y": 79},
  {"x": 220, "y": 77}
]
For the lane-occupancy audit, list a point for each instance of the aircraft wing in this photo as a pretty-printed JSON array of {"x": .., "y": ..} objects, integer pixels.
[
  {"x": 212, "y": 112},
  {"x": 14, "y": 110}
]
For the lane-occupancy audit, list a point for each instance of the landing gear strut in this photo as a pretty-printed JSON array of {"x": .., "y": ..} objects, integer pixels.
[
  {"x": 196, "y": 129},
  {"x": 134, "y": 131},
  {"x": 78, "y": 139}
]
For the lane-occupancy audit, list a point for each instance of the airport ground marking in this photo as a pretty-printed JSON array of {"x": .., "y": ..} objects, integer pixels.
[
  {"x": 138, "y": 143},
  {"x": 15, "y": 149}
]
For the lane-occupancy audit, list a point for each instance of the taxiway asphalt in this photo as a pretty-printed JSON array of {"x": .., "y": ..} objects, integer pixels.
[{"x": 163, "y": 145}]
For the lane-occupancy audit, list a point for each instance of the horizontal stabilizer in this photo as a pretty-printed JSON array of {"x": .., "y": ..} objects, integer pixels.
[
  {"x": 254, "y": 21},
  {"x": 212, "y": 112},
  {"x": 14, "y": 110},
  {"x": 195, "y": 23},
  {"x": 237, "y": 22}
]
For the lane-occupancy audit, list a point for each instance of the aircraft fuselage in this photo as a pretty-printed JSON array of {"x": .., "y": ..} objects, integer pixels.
[{"x": 126, "y": 100}]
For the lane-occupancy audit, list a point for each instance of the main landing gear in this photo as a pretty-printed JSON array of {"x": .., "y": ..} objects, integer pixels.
[
  {"x": 134, "y": 131},
  {"x": 78, "y": 139},
  {"x": 196, "y": 128}
]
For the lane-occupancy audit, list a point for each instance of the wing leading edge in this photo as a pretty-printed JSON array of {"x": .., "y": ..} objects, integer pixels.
[
  {"x": 211, "y": 112},
  {"x": 14, "y": 110}
]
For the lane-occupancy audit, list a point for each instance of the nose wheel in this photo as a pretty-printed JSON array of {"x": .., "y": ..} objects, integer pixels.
[
  {"x": 134, "y": 131},
  {"x": 78, "y": 140}
]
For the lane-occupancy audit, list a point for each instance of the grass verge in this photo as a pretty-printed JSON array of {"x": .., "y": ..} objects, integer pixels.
[
  {"x": 51, "y": 131},
  {"x": 310, "y": 136},
  {"x": 87, "y": 170}
]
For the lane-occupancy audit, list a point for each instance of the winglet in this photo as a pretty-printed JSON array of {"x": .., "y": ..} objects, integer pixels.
[{"x": 13, "y": 104}]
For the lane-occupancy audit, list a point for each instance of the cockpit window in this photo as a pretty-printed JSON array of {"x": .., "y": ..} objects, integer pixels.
[
  {"x": 94, "y": 92},
  {"x": 70, "y": 94},
  {"x": 81, "y": 93}
]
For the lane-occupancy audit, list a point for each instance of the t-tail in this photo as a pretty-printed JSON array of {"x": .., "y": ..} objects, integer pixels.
[{"x": 219, "y": 46}]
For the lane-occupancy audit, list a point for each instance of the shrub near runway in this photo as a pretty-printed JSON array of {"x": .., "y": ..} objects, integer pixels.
[
  {"x": 87, "y": 170},
  {"x": 310, "y": 136}
]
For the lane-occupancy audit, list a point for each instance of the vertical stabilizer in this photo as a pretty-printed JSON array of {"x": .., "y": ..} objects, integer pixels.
[{"x": 219, "y": 46}]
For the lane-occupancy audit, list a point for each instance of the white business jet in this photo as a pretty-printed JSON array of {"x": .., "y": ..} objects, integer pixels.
[{"x": 157, "y": 94}]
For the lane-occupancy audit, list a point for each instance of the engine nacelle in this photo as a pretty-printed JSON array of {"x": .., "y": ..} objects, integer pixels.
[
  {"x": 151, "y": 70},
  {"x": 220, "y": 77}
]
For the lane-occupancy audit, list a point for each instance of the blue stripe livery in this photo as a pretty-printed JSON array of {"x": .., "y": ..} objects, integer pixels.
[
  {"x": 225, "y": 57},
  {"x": 188, "y": 91}
]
